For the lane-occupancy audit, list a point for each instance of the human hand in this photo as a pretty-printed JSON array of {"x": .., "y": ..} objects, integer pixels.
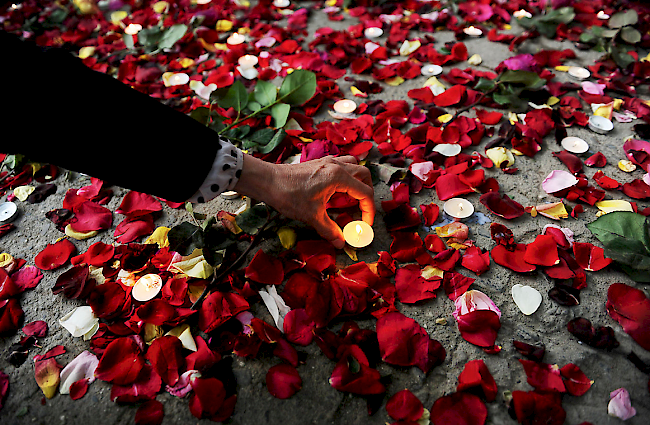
[{"x": 301, "y": 191}]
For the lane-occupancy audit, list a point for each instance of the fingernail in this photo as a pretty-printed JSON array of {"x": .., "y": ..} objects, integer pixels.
[{"x": 338, "y": 244}]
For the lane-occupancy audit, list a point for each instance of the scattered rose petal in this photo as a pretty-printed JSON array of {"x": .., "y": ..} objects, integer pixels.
[
  {"x": 558, "y": 180},
  {"x": 82, "y": 367},
  {"x": 527, "y": 298},
  {"x": 620, "y": 405}
]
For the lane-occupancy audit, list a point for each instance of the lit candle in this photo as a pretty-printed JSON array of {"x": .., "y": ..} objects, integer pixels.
[
  {"x": 600, "y": 124},
  {"x": 431, "y": 70},
  {"x": 235, "y": 38},
  {"x": 579, "y": 73},
  {"x": 8, "y": 211},
  {"x": 147, "y": 287},
  {"x": 602, "y": 15},
  {"x": 175, "y": 79},
  {"x": 230, "y": 194},
  {"x": 358, "y": 234},
  {"x": 132, "y": 29},
  {"x": 373, "y": 32},
  {"x": 281, "y": 3},
  {"x": 448, "y": 149},
  {"x": 458, "y": 208},
  {"x": 345, "y": 106},
  {"x": 574, "y": 145},
  {"x": 202, "y": 1},
  {"x": 522, "y": 14},
  {"x": 248, "y": 61},
  {"x": 473, "y": 31}
]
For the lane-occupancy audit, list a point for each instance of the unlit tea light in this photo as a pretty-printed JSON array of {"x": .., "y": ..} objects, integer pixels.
[
  {"x": 281, "y": 3},
  {"x": 373, "y": 32},
  {"x": 579, "y": 73},
  {"x": 8, "y": 211},
  {"x": 147, "y": 287},
  {"x": 600, "y": 124},
  {"x": 473, "y": 31},
  {"x": 431, "y": 70},
  {"x": 358, "y": 234},
  {"x": 458, "y": 208},
  {"x": 574, "y": 145},
  {"x": 248, "y": 61},
  {"x": 235, "y": 38},
  {"x": 345, "y": 106}
]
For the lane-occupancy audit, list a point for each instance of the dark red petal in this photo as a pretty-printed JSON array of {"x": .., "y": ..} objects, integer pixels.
[
  {"x": 479, "y": 327},
  {"x": 476, "y": 260},
  {"x": 590, "y": 257},
  {"x": 265, "y": 269},
  {"x": 145, "y": 387},
  {"x": 4, "y": 387},
  {"x": 456, "y": 284},
  {"x": 11, "y": 316},
  {"x": 7, "y": 286},
  {"x": 136, "y": 204},
  {"x": 283, "y": 381},
  {"x": 166, "y": 356},
  {"x": 208, "y": 397},
  {"x": 90, "y": 216},
  {"x": 542, "y": 251},
  {"x": 37, "y": 329},
  {"x": 54, "y": 255},
  {"x": 596, "y": 160},
  {"x": 637, "y": 189},
  {"x": 430, "y": 213},
  {"x": 476, "y": 375},
  {"x": 502, "y": 205},
  {"x": 533, "y": 352},
  {"x": 27, "y": 277},
  {"x": 543, "y": 376},
  {"x": 78, "y": 389},
  {"x": 121, "y": 362},
  {"x": 575, "y": 381},
  {"x": 631, "y": 309},
  {"x": 404, "y": 406},
  {"x": 405, "y": 246},
  {"x": 298, "y": 327},
  {"x": 412, "y": 287},
  {"x": 353, "y": 374},
  {"x": 536, "y": 408},
  {"x": 150, "y": 412},
  {"x": 459, "y": 409}
]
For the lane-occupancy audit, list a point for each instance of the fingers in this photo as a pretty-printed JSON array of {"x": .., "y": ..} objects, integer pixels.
[
  {"x": 329, "y": 230},
  {"x": 364, "y": 194}
]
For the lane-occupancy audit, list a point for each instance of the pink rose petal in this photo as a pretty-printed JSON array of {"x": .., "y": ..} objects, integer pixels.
[{"x": 558, "y": 180}]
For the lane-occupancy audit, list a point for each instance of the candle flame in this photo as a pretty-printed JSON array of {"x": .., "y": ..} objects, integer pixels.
[{"x": 359, "y": 231}]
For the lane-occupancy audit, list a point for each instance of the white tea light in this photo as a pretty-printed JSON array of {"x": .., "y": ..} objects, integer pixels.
[
  {"x": 579, "y": 73},
  {"x": 281, "y": 3},
  {"x": 472, "y": 31},
  {"x": 230, "y": 194},
  {"x": 600, "y": 125},
  {"x": 574, "y": 144},
  {"x": 431, "y": 70},
  {"x": 132, "y": 29},
  {"x": 448, "y": 149},
  {"x": 345, "y": 106},
  {"x": 602, "y": 15},
  {"x": 358, "y": 234},
  {"x": 458, "y": 208},
  {"x": 147, "y": 287},
  {"x": 247, "y": 61},
  {"x": 373, "y": 32},
  {"x": 8, "y": 211},
  {"x": 235, "y": 38}
]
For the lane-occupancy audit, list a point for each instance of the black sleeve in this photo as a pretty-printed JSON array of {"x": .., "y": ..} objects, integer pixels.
[{"x": 60, "y": 112}]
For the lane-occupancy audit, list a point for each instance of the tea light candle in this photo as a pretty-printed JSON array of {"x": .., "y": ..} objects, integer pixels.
[
  {"x": 202, "y": 1},
  {"x": 235, "y": 38},
  {"x": 602, "y": 15},
  {"x": 473, "y": 31},
  {"x": 230, "y": 194},
  {"x": 373, "y": 32},
  {"x": 431, "y": 70},
  {"x": 522, "y": 13},
  {"x": 281, "y": 3},
  {"x": 147, "y": 287},
  {"x": 600, "y": 125},
  {"x": 132, "y": 29},
  {"x": 176, "y": 79},
  {"x": 358, "y": 234},
  {"x": 8, "y": 211},
  {"x": 574, "y": 145},
  {"x": 579, "y": 73},
  {"x": 248, "y": 61},
  {"x": 458, "y": 208},
  {"x": 345, "y": 106},
  {"x": 448, "y": 149}
]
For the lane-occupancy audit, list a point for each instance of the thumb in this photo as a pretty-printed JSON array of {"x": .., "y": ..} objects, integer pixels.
[{"x": 329, "y": 230}]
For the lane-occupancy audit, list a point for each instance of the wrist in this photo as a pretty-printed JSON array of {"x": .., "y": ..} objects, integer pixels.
[{"x": 257, "y": 179}]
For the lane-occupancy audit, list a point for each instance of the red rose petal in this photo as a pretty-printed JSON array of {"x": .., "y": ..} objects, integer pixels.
[
  {"x": 283, "y": 381},
  {"x": 412, "y": 287},
  {"x": 604, "y": 181},
  {"x": 265, "y": 269},
  {"x": 476, "y": 374},
  {"x": 54, "y": 255},
  {"x": 543, "y": 376},
  {"x": 145, "y": 387},
  {"x": 502, "y": 205},
  {"x": 37, "y": 328},
  {"x": 353, "y": 374},
  {"x": 166, "y": 356},
  {"x": 150, "y": 412},
  {"x": 90, "y": 216},
  {"x": 476, "y": 260},
  {"x": 27, "y": 277},
  {"x": 405, "y": 246},
  {"x": 456, "y": 284},
  {"x": 4, "y": 387},
  {"x": 533, "y": 408},
  {"x": 542, "y": 251},
  {"x": 298, "y": 327},
  {"x": 121, "y": 362},
  {"x": 637, "y": 189},
  {"x": 78, "y": 389},
  {"x": 459, "y": 409},
  {"x": 11, "y": 316},
  {"x": 208, "y": 397},
  {"x": 135, "y": 204},
  {"x": 575, "y": 381},
  {"x": 218, "y": 307},
  {"x": 487, "y": 117},
  {"x": 7, "y": 286},
  {"x": 514, "y": 260},
  {"x": 451, "y": 96},
  {"x": 596, "y": 160},
  {"x": 631, "y": 309},
  {"x": 590, "y": 257},
  {"x": 404, "y": 406},
  {"x": 479, "y": 327}
]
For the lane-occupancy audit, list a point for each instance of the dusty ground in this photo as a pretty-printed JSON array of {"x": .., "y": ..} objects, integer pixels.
[{"x": 317, "y": 402}]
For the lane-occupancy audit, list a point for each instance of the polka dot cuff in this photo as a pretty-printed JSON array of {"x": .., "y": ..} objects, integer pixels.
[{"x": 224, "y": 173}]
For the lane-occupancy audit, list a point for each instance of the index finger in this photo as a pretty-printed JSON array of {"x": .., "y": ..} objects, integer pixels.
[{"x": 364, "y": 194}]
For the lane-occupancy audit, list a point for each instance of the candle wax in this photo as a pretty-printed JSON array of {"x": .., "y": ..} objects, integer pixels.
[
  {"x": 281, "y": 3},
  {"x": 473, "y": 31},
  {"x": 345, "y": 106},
  {"x": 132, "y": 29},
  {"x": 373, "y": 32},
  {"x": 574, "y": 145},
  {"x": 458, "y": 208},
  {"x": 579, "y": 72},
  {"x": 431, "y": 70},
  {"x": 147, "y": 287},
  {"x": 358, "y": 234},
  {"x": 600, "y": 124},
  {"x": 248, "y": 61},
  {"x": 8, "y": 212},
  {"x": 235, "y": 38}
]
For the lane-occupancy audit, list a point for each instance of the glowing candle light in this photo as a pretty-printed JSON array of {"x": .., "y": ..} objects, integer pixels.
[
  {"x": 358, "y": 234},
  {"x": 132, "y": 29},
  {"x": 248, "y": 61},
  {"x": 147, "y": 287},
  {"x": 345, "y": 106},
  {"x": 602, "y": 15},
  {"x": 281, "y": 3},
  {"x": 522, "y": 13},
  {"x": 600, "y": 124},
  {"x": 431, "y": 70},
  {"x": 373, "y": 32},
  {"x": 579, "y": 73},
  {"x": 235, "y": 38},
  {"x": 8, "y": 211},
  {"x": 458, "y": 208},
  {"x": 175, "y": 79},
  {"x": 574, "y": 145},
  {"x": 473, "y": 31}
]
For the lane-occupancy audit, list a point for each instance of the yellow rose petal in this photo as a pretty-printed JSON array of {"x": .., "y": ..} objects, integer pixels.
[
  {"x": 445, "y": 118},
  {"x": 47, "y": 374},
  {"x": 79, "y": 235},
  {"x": 160, "y": 6},
  {"x": 562, "y": 68},
  {"x": 614, "y": 205},
  {"x": 500, "y": 155},
  {"x": 617, "y": 104},
  {"x": 626, "y": 165},
  {"x": 287, "y": 237},
  {"x": 552, "y": 101},
  {"x": 224, "y": 25},
  {"x": 395, "y": 81},
  {"x": 116, "y": 17},
  {"x": 22, "y": 192},
  {"x": 430, "y": 272},
  {"x": 356, "y": 92},
  {"x": 555, "y": 210},
  {"x": 475, "y": 59},
  {"x": 159, "y": 236},
  {"x": 352, "y": 253},
  {"x": 186, "y": 62},
  {"x": 5, "y": 259},
  {"x": 86, "y": 52},
  {"x": 409, "y": 47},
  {"x": 152, "y": 332}
]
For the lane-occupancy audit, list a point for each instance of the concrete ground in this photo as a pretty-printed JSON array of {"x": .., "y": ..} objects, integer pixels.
[{"x": 317, "y": 402}]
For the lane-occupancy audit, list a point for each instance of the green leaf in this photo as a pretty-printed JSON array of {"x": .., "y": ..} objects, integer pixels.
[
  {"x": 485, "y": 84},
  {"x": 386, "y": 172},
  {"x": 238, "y": 132},
  {"x": 621, "y": 19},
  {"x": 254, "y": 106},
  {"x": 171, "y": 35},
  {"x": 201, "y": 114},
  {"x": 621, "y": 57},
  {"x": 280, "y": 113},
  {"x": 252, "y": 219},
  {"x": 610, "y": 33},
  {"x": 275, "y": 141},
  {"x": 236, "y": 97},
  {"x": 185, "y": 237},
  {"x": 528, "y": 79},
  {"x": 149, "y": 36},
  {"x": 630, "y": 35},
  {"x": 547, "y": 29},
  {"x": 625, "y": 238},
  {"x": 263, "y": 136},
  {"x": 265, "y": 92},
  {"x": 128, "y": 41},
  {"x": 298, "y": 87}
]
